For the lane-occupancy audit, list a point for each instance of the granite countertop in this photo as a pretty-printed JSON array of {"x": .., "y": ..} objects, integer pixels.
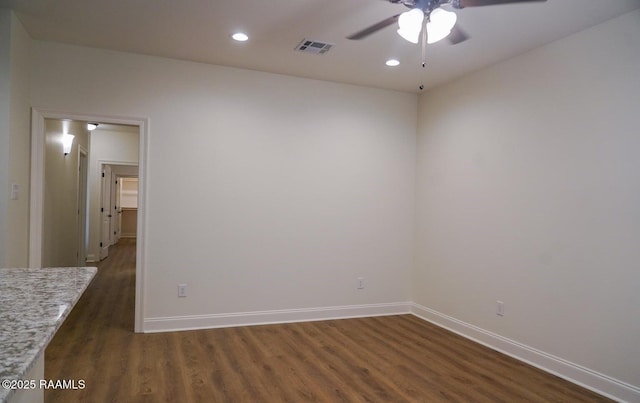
[{"x": 33, "y": 305}]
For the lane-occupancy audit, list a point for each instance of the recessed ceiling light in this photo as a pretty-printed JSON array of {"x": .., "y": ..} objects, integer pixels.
[
  {"x": 240, "y": 37},
  {"x": 392, "y": 63}
]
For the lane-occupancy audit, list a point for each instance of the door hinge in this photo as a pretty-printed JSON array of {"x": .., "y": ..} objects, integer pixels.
[
  {"x": 101, "y": 244},
  {"x": 102, "y": 209},
  {"x": 103, "y": 174}
]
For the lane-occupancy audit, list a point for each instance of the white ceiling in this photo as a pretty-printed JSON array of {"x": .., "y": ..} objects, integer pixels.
[{"x": 199, "y": 30}]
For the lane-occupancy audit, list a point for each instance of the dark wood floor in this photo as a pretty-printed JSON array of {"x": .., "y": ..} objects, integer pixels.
[{"x": 383, "y": 359}]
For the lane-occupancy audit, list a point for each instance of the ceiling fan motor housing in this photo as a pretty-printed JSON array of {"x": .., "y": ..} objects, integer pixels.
[{"x": 425, "y": 5}]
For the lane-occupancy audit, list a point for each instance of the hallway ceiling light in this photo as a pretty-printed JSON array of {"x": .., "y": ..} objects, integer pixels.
[
  {"x": 92, "y": 126},
  {"x": 240, "y": 37}
]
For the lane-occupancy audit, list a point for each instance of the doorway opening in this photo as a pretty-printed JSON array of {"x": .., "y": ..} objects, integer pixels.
[
  {"x": 37, "y": 190},
  {"x": 128, "y": 204},
  {"x": 118, "y": 205}
]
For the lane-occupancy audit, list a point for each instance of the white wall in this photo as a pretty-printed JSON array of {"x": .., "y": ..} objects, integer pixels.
[
  {"x": 528, "y": 192},
  {"x": 300, "y": 186},
  {"x": 19, "y": 142},
  {"x": 5, "y": 105},
  {"x": 60, "y": 213},
  {"x": 14, "y": 140},
  {"x": 118, "y": 144}
]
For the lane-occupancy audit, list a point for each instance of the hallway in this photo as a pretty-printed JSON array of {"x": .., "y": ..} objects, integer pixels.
[{"x": 100, "y": 323}]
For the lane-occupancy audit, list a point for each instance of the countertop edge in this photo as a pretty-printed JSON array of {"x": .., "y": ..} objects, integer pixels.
[{"x": 5, "y": 394}]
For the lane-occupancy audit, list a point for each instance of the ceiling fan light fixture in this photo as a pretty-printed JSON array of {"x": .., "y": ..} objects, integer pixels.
[
  {"x": 392, "y": 63},
  {"x": 440, "y": 24},
  {"x": 410, "y": 24}
]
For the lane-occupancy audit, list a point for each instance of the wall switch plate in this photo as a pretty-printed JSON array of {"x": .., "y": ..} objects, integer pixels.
[
  {"x": 360, "y": 283},
  {"x": 15, "y": 191},
  {"x": 499, "y": 308},
  {"x": 182, "y": 290}
]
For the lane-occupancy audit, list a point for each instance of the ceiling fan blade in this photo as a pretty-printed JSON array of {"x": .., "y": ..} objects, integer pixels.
[
  {"x": 374, "y": 28},
  {"x": 457, "y": 35},
  {"x": 478, "y": 3}
]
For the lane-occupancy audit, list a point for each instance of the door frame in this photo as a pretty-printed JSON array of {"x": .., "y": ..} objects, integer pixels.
[
  {"x": 106, "y": 183},
  {"x": 83, "y": 204},
  {"x": 36, "y": 203}
]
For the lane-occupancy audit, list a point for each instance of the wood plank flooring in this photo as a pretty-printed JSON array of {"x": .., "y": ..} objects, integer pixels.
[{"x": 382, "y": 359}]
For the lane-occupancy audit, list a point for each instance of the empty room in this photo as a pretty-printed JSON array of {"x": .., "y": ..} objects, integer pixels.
[{"x": 320, "y": 200}]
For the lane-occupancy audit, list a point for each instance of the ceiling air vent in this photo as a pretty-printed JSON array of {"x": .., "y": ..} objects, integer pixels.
[{"x": 314, "y": 47}]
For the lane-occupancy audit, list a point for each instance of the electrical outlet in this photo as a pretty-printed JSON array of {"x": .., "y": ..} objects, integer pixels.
[
  {"x": 499, "y": 308},
  {"x": 182, "y": 290},
  {"x": 360, "y": 283}
]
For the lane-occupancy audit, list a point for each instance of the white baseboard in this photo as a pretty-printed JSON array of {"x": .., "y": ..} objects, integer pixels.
[
  {"x": 575, "y": 373},
  {"x": 192, "y": 322},
  {"x": 92, "y": 258}
]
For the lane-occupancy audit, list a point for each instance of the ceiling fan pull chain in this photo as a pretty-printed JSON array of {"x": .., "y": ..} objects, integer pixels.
[
  {"x": 424, "y": 47},
  {"x": 424, "y": 42}
]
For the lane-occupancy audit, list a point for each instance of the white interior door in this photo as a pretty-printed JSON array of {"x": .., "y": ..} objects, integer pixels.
[
  {"x": 118, "y": 208},
  {"x": 105, "y": 211},
  {"x": 114, "y": 225}
]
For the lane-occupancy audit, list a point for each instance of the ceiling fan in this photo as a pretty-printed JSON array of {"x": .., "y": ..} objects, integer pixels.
[{"x": 426, "y": 17}]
